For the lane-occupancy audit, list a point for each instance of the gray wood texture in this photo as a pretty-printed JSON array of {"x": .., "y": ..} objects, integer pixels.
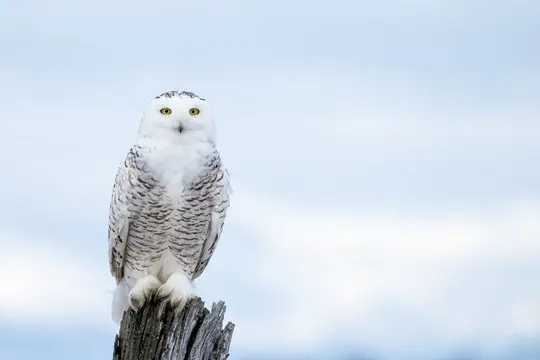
[{"x": 159, "y": 332}]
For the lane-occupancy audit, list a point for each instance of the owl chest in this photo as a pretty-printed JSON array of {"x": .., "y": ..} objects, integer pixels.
[
  {"x": 174, "y": 173},
  {"x": 173, "y": 185}
]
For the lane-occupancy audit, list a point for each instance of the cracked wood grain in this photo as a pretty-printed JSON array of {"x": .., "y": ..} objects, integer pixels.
[{"x": 160, "y": 332}]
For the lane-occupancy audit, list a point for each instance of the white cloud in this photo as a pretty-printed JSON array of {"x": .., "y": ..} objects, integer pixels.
[
  {"x": 49, "y": 287},
  {"x": 383, "y": 280},
  {"x": 378, "y": 281}
]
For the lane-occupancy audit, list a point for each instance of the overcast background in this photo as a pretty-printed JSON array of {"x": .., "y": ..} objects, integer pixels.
[{"x": 384, "y": 157}]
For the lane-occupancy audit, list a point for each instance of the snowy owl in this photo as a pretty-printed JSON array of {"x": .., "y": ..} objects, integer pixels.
[{"x": 168, "y": 205}]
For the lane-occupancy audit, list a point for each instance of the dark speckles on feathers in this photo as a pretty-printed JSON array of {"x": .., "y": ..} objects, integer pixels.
[
  {"x": 189, "y": 231},
  {"x": 175, "y": 93}
]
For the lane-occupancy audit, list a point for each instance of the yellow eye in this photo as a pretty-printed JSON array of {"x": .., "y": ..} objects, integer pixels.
[
  {"x": 194, "y": 111},
  {"x": 165, "y": 111}
]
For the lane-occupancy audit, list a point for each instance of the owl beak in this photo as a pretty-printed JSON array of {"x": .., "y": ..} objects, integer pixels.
[{"x": 180, "y": 128}]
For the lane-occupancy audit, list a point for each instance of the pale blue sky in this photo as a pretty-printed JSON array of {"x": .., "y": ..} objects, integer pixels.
[{"x": 383, "y": 156}]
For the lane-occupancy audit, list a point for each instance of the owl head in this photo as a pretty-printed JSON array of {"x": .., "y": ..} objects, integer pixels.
[{"x": 178, "y": 116}]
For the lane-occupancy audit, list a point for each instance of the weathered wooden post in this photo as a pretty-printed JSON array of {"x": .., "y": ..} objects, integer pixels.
[{"x": 159, "y": 332}]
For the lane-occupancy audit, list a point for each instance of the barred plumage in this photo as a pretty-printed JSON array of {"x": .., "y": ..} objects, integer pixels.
[{"x": 168, "y": 205}]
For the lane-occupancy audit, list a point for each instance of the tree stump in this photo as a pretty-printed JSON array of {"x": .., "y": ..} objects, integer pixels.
[{"x": 159, "y": 332}]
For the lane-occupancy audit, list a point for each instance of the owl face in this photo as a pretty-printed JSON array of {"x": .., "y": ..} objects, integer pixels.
[{"x": 176, "y": 115}]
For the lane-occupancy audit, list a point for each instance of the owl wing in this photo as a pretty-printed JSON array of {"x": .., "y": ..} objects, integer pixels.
[
  {"x": 131, "y": 186},
  {"x": 219, "y": 200}
]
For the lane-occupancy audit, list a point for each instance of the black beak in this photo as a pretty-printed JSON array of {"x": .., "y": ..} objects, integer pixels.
[{"x": 180, "y": 128}]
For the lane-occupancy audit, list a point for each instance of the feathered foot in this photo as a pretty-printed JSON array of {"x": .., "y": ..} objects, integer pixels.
[
  {"x": 177, "y": 290},
  {"x": 143, "y": 291}
]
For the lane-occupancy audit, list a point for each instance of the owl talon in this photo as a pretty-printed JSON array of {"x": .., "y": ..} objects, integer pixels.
[
  {"x": 136, "y": 303},
  {"x": 143, "y": 291},
  {"x": 177, "y": 290}
]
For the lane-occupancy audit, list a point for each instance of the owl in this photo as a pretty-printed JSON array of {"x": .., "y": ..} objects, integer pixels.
[{"x": 168, "y": 206}]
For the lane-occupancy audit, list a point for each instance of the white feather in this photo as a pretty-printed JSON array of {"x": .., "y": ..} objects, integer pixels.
[
  {"x": 175, "y": 148},
  {"x": 120, "y": 301}
]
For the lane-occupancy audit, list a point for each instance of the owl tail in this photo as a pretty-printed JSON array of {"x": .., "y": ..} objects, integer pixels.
[{"x": 120, "y": 301}]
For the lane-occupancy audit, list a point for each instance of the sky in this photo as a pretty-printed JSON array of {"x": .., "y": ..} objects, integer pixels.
[{"x": 382, "y": 155}]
